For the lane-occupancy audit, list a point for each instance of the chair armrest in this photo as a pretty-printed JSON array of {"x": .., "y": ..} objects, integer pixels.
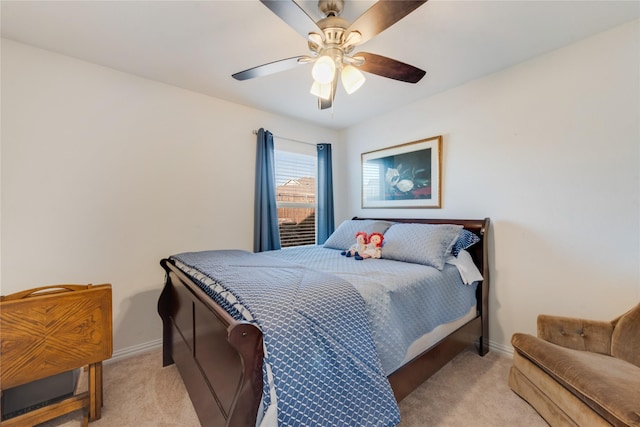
[{"x": 577, "y": 334}]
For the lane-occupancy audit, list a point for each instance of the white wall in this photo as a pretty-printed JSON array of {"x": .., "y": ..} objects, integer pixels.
[
  {"x": 105, "y": 173},
  {"x": 550, "y": 150}
]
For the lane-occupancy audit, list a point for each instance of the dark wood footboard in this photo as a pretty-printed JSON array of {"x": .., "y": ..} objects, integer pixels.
[{"x": 220, "y": 358}]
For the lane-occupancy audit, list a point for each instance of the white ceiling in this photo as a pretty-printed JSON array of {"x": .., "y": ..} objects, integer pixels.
[{"x": 197, "y": 45}]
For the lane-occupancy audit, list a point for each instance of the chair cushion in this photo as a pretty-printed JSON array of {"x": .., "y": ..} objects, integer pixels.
[
  {"x": 557, "y": 405},
  {"x": 606, "y": 384},
  {"x": 625, "y": 340}
]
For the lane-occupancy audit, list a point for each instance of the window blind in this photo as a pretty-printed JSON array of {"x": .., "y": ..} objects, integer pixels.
[{"x": 296, "y": 169}]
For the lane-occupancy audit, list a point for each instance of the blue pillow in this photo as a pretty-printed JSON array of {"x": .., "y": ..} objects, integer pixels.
[
  {"x": 465, "y": 240},
  {"x": 426, "y": 244},
  {"x": 345, "y": 234}
]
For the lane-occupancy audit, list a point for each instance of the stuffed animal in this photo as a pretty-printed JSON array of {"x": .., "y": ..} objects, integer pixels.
[
  {"x": 358, "y": 247},
  {"x": 373, "y": 249}
]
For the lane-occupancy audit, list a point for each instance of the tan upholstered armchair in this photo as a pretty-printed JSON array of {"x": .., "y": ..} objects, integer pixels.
[{"x": 580, "y": 372}]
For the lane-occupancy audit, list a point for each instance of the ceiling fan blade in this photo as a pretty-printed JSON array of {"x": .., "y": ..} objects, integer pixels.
[
  {"x": 323, "y": 104},
  {"x": 270, "y": 68},
  {"x": 390, "y": 68},
  {"x": 381, "y": 16},
  {"x": 293, "y": 15}
]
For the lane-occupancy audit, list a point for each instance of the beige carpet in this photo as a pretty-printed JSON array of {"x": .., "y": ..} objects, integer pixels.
[{"x": 469, "y": 391}]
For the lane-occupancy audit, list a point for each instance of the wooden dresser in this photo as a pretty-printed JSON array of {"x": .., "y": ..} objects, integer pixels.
[{"x": 50, "y": 330}]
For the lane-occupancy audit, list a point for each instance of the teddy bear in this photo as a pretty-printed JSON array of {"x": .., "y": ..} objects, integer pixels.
[
  {"x": 358, "y": 247},
  {"x": 373, "y": 248}
]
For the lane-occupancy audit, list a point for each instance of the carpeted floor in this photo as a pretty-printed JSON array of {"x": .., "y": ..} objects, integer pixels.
[{"x": 469, "y": 391}]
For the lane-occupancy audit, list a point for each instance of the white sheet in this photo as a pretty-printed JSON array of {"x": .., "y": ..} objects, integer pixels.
[{"x": 467, "y": 269}]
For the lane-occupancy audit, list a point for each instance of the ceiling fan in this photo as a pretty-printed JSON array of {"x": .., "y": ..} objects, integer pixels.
[{"x": 331, "y": 42}]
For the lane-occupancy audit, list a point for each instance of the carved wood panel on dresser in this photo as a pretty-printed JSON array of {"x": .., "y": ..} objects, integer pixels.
[{"x": 49, "y": 330}]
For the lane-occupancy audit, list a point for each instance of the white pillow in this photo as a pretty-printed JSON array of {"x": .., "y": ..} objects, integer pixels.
[{"x": 469, "y": 273}]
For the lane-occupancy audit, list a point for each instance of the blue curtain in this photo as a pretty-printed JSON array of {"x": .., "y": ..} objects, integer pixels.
[
  {"x": 266, "y": 235},
  {"x": 324, "y": 218}
]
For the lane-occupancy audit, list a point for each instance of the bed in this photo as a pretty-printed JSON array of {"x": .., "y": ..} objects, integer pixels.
[{"x": 221, "y": 356}]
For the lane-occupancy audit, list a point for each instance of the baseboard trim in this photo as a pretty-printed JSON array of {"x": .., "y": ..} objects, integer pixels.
[
  {"x": 505, "y": 350},
  {"x": 127, "y": 352}
]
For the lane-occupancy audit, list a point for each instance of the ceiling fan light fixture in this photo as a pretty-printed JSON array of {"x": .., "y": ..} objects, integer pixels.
[
  {"x": 352, "y": 79},
  {"x": 331, "y": 42},
  {"x": 324, "y": 70},
  {"x": 321, "y": 90}
]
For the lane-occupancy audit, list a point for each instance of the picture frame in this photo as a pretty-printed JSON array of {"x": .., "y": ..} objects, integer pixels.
[{"x": 403, "y": 176}]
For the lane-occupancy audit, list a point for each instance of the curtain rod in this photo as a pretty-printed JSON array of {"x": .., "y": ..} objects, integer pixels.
[{"x": 255, "y": 132}]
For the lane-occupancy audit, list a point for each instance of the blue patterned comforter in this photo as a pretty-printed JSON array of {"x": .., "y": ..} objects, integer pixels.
[
  {"x": 321, "y": 365},
  {"x": 403, "y": 300}
]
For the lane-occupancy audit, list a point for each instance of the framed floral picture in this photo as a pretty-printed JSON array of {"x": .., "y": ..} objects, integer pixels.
[{"x": 403, "y": 176}]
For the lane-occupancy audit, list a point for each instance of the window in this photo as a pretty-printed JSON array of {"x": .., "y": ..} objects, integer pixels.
[
  {"x": 372, "y": 177},
  {"x": 296, "y": 169}
]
